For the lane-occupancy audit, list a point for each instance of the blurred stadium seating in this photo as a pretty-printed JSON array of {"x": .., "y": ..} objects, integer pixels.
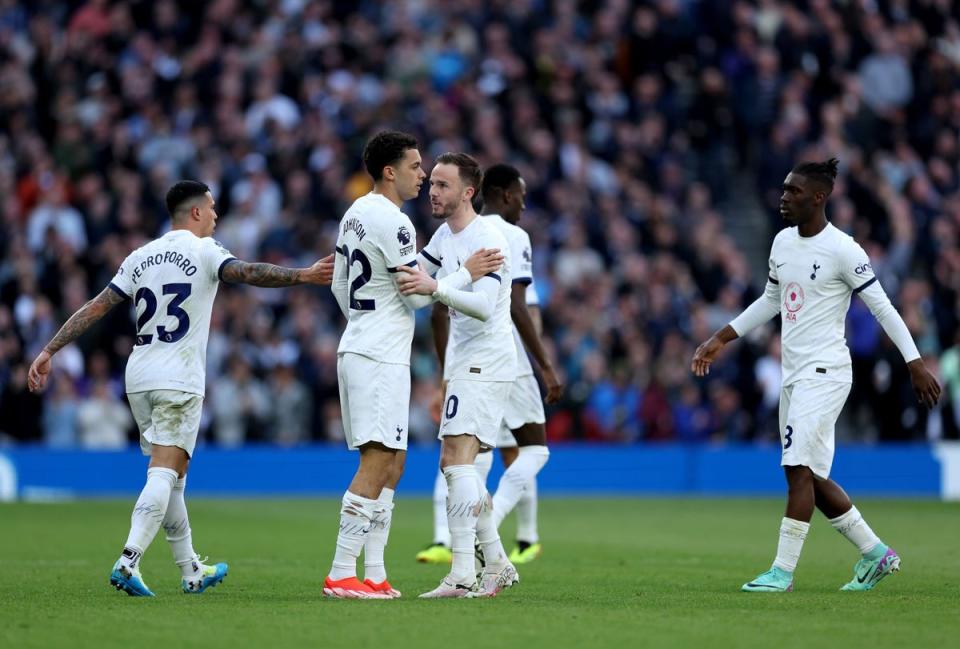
[{"x": 653, "y": 137}]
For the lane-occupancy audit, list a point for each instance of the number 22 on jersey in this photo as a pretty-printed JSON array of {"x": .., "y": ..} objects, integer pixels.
[{"x": 357, "y": 257}]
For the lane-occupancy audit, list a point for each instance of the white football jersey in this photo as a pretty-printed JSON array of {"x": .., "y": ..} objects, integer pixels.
[
  {"x": 521, "y": 254},
  {"x": 816, "y": 277},
  {"x": 375, "y": 237},
  {"x": 172, "y": 281},
  {"x": 477, "y": 350}
]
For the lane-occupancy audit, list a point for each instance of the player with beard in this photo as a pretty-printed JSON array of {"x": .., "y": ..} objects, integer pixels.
[
  {"x": 479, "y": 367},
  {"x": 503, "y": 191}
]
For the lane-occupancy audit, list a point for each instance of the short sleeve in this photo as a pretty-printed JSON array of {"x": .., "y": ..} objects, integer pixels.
[
  {"x": 122, "y": 282},
  {"x": 521, "y": 255},
  {"x": 490, "y": 239},
  {"x": 215, "y": 257},
  {"x": 399, "y": 244},
  {"x": 856, "y": 270},
  {"x": 431, "y": 252}
]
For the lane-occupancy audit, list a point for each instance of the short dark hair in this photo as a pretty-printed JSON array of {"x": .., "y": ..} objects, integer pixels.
[
  {"x": 823, "y": 173},
  {"x": 182, "y": 192},
  {"x": 385, "y": 148},
  {"x": 468, "y": 168},
  {"x": 498, "y": 176}
]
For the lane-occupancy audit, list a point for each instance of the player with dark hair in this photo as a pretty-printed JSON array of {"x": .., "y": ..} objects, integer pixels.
[
  {"x": 503, "y": 191},
  {"x": 375, "y": 240},
  {"x": 814, "y": 270},
  {"x": 479, "y": 366},
  {"x": 172, "y": 282}
]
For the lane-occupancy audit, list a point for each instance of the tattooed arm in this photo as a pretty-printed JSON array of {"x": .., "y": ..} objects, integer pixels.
[
  {"x": 73, "y": 328},
  {"x": 270, "y": 276}
]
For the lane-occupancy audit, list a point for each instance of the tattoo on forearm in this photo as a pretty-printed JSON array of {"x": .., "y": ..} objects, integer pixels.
[
  {"x": 83, "y": 319},
  {"x": 266, "y": 275}
]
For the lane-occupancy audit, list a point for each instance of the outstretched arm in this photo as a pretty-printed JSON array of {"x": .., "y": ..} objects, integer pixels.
[
  {"x": 271, "y": 276},
  {"x": 763, "y": 308},
  {"x": 477, "y": 304},
  {"x": 339, "y": 283},
  {"x": 708, "y": 351},
  {"x": 480, "y": 263},
  {"x": 72, "y": 329}
]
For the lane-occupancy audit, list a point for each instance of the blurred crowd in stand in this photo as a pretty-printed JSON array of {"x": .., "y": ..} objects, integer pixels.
[{"x": 643, "y": 130}]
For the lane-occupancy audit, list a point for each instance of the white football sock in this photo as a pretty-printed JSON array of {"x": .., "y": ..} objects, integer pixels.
[
  {"x": 483, "y": 464},
  {"x": 792, "y": 535},
  {"x": 516, "y": 479},
  {"x": 852, "y": 526},
  {"x": 527, "y": 514},
  {"x": 441, "y": 529},
  {"x": 148, "y": 513},
  {"x": 176, "y": 524},
  {"x": 356, "y": 514},
  {"x": 487, "y": 535},
  {"x": 463, "y": 508},
  {"x": 373, "y": 564}
]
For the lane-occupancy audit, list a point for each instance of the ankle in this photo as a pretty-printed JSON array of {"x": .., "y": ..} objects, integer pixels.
[{"x": 876, "y": 552}]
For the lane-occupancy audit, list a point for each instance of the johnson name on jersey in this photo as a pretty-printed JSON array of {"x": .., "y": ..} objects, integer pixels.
[
  {"x": 374, "y": 239},
  {"x": 172, "y": 281},
  {"x": 477, "y": 350}
]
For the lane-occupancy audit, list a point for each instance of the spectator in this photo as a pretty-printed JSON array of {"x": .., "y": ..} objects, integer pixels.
[
  {"x": 647, "y": 133},
  {"x": 291, "y": 408},
  {"x": 60, "y": 415},
  {"x": 103, "y": 419},
  {"x": 241, "y": 405}
]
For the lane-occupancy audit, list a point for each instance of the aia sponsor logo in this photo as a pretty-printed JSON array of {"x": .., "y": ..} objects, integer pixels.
[{"x": 793, "y": 298}]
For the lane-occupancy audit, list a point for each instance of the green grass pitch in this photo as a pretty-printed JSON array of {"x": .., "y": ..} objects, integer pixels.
[{"x": 615, "y": 572}]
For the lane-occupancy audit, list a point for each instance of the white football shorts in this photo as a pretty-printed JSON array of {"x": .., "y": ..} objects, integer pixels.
[
  {"x": 524, "y": 406},
  {"x": 474, "y": 408},
  {"x": 167, "y": 418},
  {"x": 374, "y": 401},
  {"x": 808, "y": 415}
]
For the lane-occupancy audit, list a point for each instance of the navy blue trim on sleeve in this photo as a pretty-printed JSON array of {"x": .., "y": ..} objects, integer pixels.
[
  {"x": 868, "y": 283},
  {"x": 223, "y": 265},
  {"x": 494, "y": 276},
  {"x": 411, "y": 264},
  {"x": 119, "y": 291},
  {"x": 522, "y": 280},
  {"x": 772, "y": 280},
  {"x": 430, "y": 258}
]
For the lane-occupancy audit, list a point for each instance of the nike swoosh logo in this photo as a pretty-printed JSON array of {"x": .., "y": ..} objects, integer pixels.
[{"x": 783, "y": 264}]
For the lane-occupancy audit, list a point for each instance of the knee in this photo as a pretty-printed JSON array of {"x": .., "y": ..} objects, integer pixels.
[
  {"x": 460, "y": 449},
  {"x": 800, "y": 478},
  {"x": 396, "y": 469},
  {"x": 448, "y": 456}
]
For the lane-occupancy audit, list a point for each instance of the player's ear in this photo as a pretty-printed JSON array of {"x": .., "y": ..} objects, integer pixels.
[{"x": 389, "y": 173}]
